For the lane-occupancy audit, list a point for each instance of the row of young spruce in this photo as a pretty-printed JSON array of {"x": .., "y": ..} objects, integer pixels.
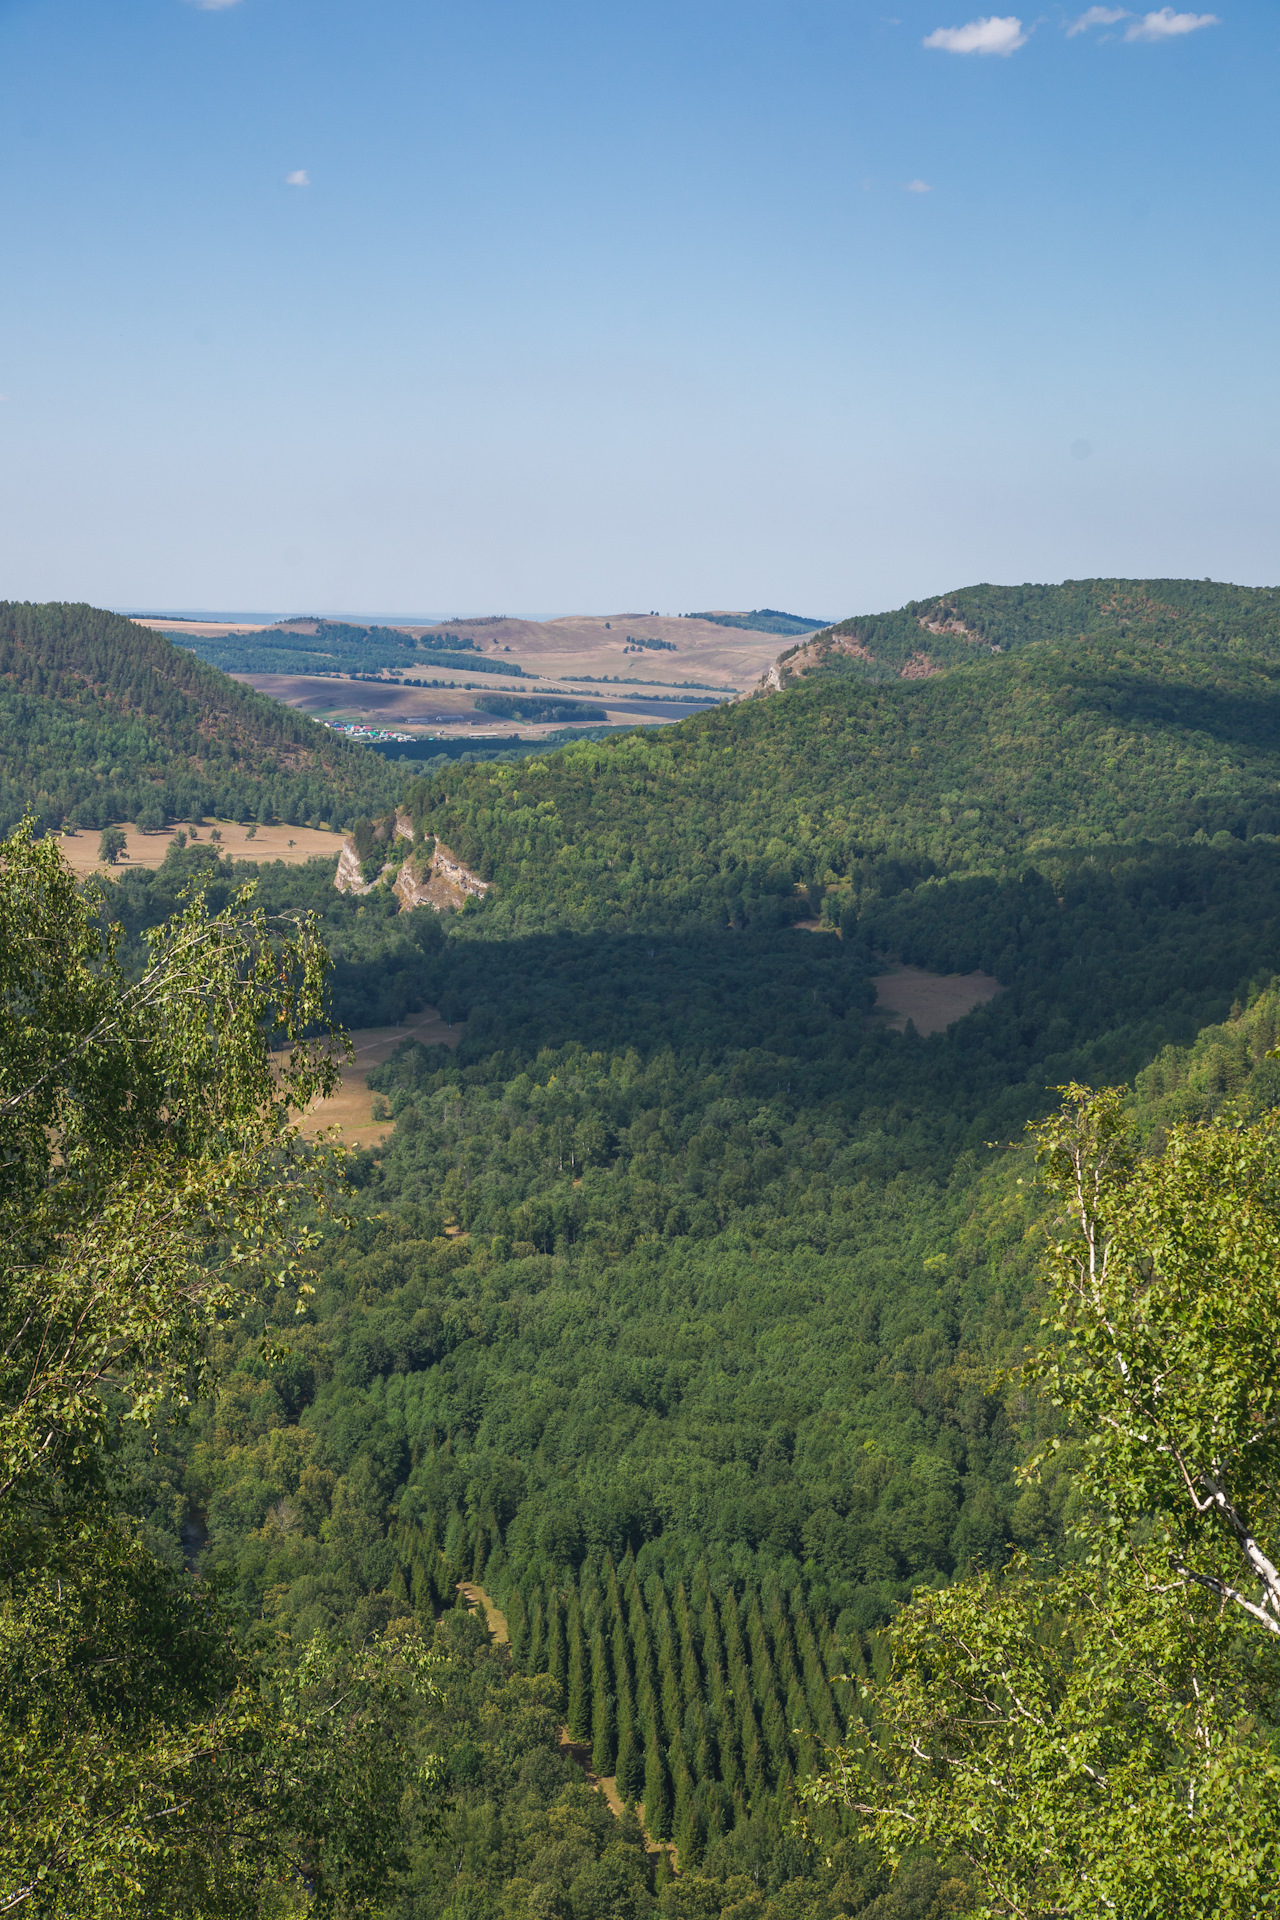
[{"x": 705, "y": 1705}]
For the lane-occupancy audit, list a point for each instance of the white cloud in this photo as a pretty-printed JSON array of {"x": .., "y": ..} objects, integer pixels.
[
  {"x": 214, "y": 6},
  {"x": 918, "y": 186},
  {"x": 994, "y": 35},
  {"x": 1167, "y": 25},
  {"x": 1097, "y": 17},
  {"x": 299, "y": 179}
]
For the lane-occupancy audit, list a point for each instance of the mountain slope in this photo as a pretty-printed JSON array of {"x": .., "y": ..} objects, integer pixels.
[{"x": 103, "y": 720}]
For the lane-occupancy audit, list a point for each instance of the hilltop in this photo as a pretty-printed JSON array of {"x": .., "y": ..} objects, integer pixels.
[
  {"x": 103, "y": 720},
  {"x": 926, "y": 637},
  {"x": 987, "y": 767}
]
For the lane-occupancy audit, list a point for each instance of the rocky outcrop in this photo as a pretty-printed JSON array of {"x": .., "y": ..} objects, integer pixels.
[
  {"x": 348, "y": 878},
  {"x": 944, "y": 623},
  {"x": 797, "y": 661},
  {"x": 442, "y": 883},
  {"x": 448, "y": 883}
]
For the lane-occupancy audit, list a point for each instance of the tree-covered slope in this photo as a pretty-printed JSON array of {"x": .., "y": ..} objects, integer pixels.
[
  {"x": 101, "y": 719},
  {"x": 1185, "y": 616},
  {"x": 984, "y": 768},
  {"x": 337, "y": 647}
]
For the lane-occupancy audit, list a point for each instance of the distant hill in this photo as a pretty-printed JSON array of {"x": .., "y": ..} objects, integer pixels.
[
  {"x": 762, "y": 620},
  {"x": 955, "y": 629},
  {"x": 103, "y": 720},
  {"x": 339, "y": 646}
]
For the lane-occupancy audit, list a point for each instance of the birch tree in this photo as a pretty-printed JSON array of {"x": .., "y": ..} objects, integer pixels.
[
  {"x": 153, "y": 1176},
  {"x": 1101, "y": 1738}
]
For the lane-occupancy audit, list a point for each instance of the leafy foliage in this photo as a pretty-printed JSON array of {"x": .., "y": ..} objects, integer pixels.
[
  {"x": 684, "y": 1269},
  {"x": 538, "y": 707},
  {"x": 980, "y": 771},
  {"x": 339, "y": 647},
  {"x": 762, "y": 620},
  {"x": 152, "y": 1182},
  {"x": 1157, "y": 616},
  {"x": 1103, "y": 1736}
]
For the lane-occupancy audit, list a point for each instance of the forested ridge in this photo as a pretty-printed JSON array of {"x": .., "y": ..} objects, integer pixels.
[
  {"x": 1186, "y": 616},
  {"x": 988, "y": 767},
  {"x": 101, "y": 720},
  {"x": 678, "y": 1308}
]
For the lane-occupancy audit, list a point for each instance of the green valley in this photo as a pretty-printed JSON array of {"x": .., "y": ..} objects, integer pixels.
[{"x": 677, "y": 1309}]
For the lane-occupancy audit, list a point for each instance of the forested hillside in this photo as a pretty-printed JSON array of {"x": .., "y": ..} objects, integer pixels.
[
  {"x": 1182, "y": 616},
  {"x": 673, "y": 1309},
  {"x": 761, "y": 620},
  {"x": 984, "y": 769},
  {"x": 102, "y": 720}
]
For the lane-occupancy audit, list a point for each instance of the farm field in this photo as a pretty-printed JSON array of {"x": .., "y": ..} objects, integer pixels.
[
  {"x": 389, "y": 704},
  {"x": 613, "y": 659}
]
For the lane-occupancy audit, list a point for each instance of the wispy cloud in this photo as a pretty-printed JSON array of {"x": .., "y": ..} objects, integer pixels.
[
  {"x": 299, "y": 179},
  {"x": 214, "y": 6},
  {"x": 1097, "y": 17},
  {"x": 1168, "y": 25},
  {"x": 993, "y": 35},
  {"x": 917, "y": 186}
]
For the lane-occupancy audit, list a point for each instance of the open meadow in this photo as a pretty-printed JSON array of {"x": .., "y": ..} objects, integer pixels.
[
  {"x": 294, "y": 845},
  {"x": 931, "y": 1001},
  {"x": 351, "y": 1108}
]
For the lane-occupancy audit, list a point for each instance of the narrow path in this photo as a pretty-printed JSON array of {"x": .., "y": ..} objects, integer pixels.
[
  {"x": 494, "y": 1619},
  {"x": 605, "y": 1784}
]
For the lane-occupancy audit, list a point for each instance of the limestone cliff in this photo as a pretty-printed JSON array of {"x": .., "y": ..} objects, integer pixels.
[{"x": 441, "y": 882}]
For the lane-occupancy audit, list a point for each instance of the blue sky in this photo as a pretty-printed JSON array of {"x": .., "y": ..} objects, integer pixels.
[{"x": 551, "y": 307}]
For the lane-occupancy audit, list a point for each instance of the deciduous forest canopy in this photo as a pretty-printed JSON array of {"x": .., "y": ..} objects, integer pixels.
[{"x": 674, "y": 1307}]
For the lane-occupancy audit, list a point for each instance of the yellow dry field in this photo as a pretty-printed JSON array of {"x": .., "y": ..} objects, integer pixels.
[
  {"x": 351, "y": 1108},
  {"x": 553, "y": 653},
  {"x": 200, "y": 629},
  {"x": 931, "y": 1000},
  {"x": 291, "y": 844}
]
